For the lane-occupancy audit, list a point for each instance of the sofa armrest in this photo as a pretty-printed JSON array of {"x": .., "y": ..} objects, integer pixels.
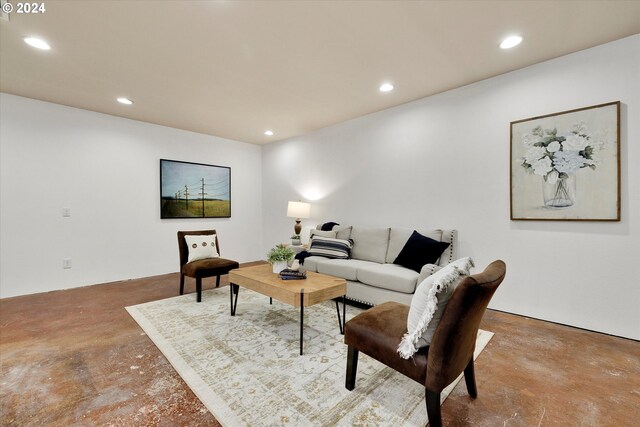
[
  {"x": 451, "y": 253},
  {"x": 426, "y": 271}
]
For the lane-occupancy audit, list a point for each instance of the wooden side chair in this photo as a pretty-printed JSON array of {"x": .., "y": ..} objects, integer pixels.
[
  {"x": 378, "y": 331},
  {"x": 202, "y": 268}
]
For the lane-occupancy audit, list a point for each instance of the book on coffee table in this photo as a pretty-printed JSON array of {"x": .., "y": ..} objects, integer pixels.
[{"x": 288, "y": 274}]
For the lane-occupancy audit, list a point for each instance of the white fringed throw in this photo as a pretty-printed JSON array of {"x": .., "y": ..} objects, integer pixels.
[{"x": 441, "y": 281}]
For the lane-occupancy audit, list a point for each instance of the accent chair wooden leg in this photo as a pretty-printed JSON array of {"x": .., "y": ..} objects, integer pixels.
[
  {"x": 470, "y": 379},
  {"x": 217, "y": 281},
  {"x": 199, "y": 288},
  {"x": 181, "y": 283},
  {"x": 433, "y": 408},
  {"x": 352, "y": 368}
]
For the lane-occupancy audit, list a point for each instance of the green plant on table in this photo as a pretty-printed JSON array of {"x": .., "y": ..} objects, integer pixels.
[{"x": 280, "y": 253}]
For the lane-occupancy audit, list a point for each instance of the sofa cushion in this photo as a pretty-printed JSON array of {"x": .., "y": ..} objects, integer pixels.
[
  {"x": 342, "y": 232},
  {"x": 311, "y": 263},
  {"x": 420, "y": 250},
  {"x": 370, "y": 244},
  {"x": 388, "y": 276},
  {"x": 370, "y": 295},
  {"x": 398, "y": 238},
  {"x": 344, "y": 268},
  {"x": 330, "y": 248},
  {"x": 321, "y": 233}
]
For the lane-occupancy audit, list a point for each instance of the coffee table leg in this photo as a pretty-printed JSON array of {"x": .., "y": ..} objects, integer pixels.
[
  {"x": 341, "y": 321},
  {"x": 234, "y": 304},
  {"x": 344, "y": 313},
  {"x": 301, "y": 319}
]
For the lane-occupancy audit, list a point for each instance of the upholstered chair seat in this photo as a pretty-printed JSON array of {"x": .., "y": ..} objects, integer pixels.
[
  {"x": 380, "y": 332},
  {"x": 208, "y": 267}
]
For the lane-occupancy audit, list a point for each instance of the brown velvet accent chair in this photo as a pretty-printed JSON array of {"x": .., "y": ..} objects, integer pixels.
[
  {"x": 201, "y": 268},
  {"x": 378, "y": 331}
]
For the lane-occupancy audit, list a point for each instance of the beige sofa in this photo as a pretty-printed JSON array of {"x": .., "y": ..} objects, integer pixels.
[{"x": 371, "y": 276}]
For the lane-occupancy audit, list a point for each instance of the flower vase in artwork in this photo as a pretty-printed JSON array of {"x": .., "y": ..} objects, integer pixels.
[
  {"x": 556, "y": 157},
  {"x": 561, "y": 193}
]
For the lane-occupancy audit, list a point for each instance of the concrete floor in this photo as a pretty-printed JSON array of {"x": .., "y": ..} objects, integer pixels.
[{"x": 76, "y": 357}]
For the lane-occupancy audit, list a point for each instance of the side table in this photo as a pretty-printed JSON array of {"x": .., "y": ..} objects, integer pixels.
[{"x": 297, "y": 248}]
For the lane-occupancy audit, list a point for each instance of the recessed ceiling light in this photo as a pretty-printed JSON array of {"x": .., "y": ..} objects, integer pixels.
[
  {"x": 268, "y": 132},
  {"x": 386, "y": 87},
  {"x": 510, "y": 42},
  {"x": 125, "y": 101},
  {"x": 37, "y": 43}
]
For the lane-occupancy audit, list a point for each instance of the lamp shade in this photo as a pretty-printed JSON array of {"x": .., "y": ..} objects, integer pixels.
[{"x": 299, "y": 210}]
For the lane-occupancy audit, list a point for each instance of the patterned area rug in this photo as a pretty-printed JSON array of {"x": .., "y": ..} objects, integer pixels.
[{"x": 247, "y": 369}]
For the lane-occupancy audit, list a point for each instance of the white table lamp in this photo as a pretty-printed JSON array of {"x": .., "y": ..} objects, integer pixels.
[{"x": 298, "y": 210}]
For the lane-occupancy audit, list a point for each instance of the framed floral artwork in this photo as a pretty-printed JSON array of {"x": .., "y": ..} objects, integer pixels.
[{"x": 566, "y": 166}]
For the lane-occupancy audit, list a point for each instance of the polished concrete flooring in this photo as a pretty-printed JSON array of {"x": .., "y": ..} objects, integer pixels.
[{"x": 76, "y": 357}]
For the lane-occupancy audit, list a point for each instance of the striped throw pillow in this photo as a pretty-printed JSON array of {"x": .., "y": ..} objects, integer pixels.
[{"x": 330, "y": 248}]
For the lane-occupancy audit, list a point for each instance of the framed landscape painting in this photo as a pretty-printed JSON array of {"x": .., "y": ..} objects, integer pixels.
[
  {"x": 566, "y": 166},
  {"x": 194, "y": 190}
]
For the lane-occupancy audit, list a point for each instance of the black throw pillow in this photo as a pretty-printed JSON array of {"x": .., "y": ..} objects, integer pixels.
[
  {"x": 328, "y": 226},
  {"x": 420, "y": 250}
]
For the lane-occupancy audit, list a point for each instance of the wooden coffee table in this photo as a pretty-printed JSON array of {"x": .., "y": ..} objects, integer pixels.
[{"x": 314, "y": 289}]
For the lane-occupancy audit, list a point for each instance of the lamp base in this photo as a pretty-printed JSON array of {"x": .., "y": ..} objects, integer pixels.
[{"x": 297, "y": 228}]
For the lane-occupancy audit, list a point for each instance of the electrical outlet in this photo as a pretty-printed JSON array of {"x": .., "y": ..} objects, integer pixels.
[{"x": 66, "y": 263}]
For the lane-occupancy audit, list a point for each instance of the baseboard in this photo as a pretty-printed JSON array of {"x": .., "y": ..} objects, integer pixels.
[{"x": 562, "y": 324}]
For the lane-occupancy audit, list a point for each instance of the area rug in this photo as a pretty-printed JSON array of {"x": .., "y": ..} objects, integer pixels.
[{"x": 248, "y": 372}]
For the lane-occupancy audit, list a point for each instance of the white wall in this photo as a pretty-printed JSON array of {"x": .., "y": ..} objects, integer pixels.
[
  {"x": 443, "y": 161},
  {"x": 106, "y": 169}
]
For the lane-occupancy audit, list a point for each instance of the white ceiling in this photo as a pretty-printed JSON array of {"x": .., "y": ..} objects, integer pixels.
[{"x": 236, "y": 68}]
